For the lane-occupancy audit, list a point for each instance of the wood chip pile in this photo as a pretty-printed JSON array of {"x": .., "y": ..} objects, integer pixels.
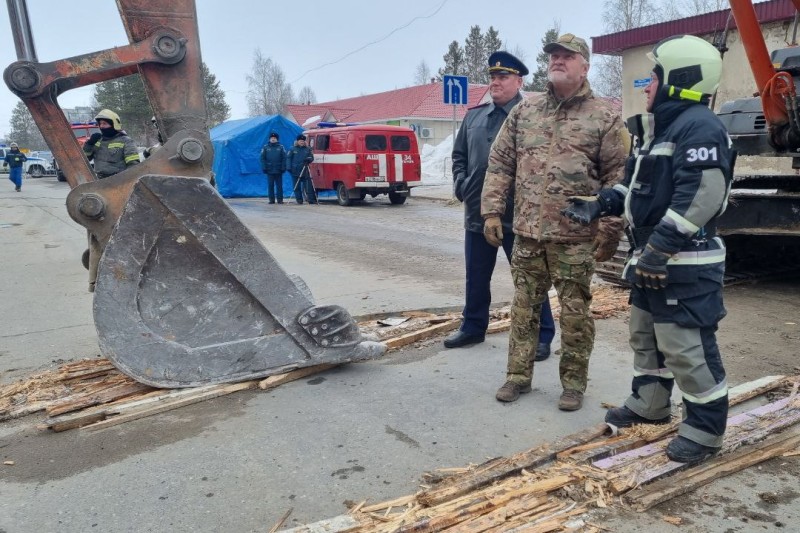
[{"x": 553, "y": 487}]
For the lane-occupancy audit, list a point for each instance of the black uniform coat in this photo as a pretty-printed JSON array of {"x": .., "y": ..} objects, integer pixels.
[{"x": 471, "y": 158}]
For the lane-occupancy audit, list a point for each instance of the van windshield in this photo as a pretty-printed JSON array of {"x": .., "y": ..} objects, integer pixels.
[
  {"x": 401, "y": 143},
  {"x": 375, "y": 143}
]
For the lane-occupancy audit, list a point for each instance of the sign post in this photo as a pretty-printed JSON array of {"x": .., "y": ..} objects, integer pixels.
[{"x": 456, "y": 92}]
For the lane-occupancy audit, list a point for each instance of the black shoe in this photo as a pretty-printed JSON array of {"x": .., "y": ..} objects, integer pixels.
[
  {"x": 622, "y": 417},
  {"x": 459, "y": 339},
  {"x": 270, "y": 203},
  {"x": 280, "y": 203},
  {"x": 683, "y": 450},
  {"x": 542, "y": 352}
]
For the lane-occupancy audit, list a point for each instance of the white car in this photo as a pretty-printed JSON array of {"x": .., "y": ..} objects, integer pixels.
[{"x": 36, "y": 167}]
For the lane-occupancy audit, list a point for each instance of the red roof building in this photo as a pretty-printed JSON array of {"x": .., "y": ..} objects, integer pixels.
[{"x": 421, "y": 107}]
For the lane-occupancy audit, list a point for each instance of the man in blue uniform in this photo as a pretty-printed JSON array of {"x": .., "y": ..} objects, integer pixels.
[
  {"x": 297, "y": 161},
  {"x": 273, "y": 163},
  {"x": 14, "y": 160},
  {"x": 676, "y": 185},
  {"x": 470, "y": 158}
]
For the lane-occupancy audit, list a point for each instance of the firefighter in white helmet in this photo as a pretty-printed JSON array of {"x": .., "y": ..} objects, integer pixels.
[
  {"x": 111, "y": 150},
  {"x": 676, "y": 185}
]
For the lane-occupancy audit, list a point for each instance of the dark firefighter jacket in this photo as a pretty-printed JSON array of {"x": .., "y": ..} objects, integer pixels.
[
  {"x": 273, "y": 158},
  {"x": 674, "y": 189}
]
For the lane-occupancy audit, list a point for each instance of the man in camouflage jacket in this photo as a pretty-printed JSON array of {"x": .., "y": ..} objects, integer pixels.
[{"x": 554, "y": 145}]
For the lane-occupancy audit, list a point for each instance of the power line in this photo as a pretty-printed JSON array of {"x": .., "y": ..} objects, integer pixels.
[{"x": 406, "y": 25}]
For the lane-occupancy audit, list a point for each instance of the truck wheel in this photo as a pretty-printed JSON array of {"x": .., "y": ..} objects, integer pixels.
[
  {"x": 342, "y": 196},
  {"x": 397, "y": 199},
  {"x": 36, "y": 171}
]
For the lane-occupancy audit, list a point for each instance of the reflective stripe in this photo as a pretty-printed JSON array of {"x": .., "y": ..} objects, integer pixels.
[
  {"x": 620, "y": 188},
  {"x": 684, "y": 226},
  {"x": 666, "y": 149},
  {"x": 703, "y": 257},
  {"x": 132, "y": 157},
  {"x": 116, "y": 145},
  {"x": 659, "y": 372},
  {"x": 717, "y": 392},
  {"x": 685, "y": 94}
]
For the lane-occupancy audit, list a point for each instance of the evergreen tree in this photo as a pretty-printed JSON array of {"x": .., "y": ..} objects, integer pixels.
[
  {"x": 453, "y": 61},
  {"x": 539, "y": 79},
  {"x": 127, "y": 98},
  {"x": 218, "y": 108},
  {"x": 491, "y": 43},
  {"x": 475, "y": 56},
  {"x": 24, "y": 131}
]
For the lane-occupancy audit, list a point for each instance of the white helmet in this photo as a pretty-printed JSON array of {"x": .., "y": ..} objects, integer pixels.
[{"x": 687, "y": 62}]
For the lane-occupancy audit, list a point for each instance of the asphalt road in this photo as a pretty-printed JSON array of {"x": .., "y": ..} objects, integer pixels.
[{"x": 362, "y": 431}]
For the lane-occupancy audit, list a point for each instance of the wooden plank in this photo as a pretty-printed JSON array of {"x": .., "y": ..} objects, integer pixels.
[
  {"x": 736, "y": 395},
  {"x": 274, "y": 381},
  {"x": 648, "y": 450},
  {"x": 700, "y": 475},
  {"x": 733, "y": 441},
  {"x": 504, "y": 467},
  {"x": 498, "y": 326},
  {"x": 414, "y": 336},
  {"x": 332, "y": 525},
  {"x": 87, "y": 400},
  {"x": 168, "y": 405}
]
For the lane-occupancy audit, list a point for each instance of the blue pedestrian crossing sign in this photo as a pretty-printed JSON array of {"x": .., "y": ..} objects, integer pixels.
[{"x": 455, "y": 90}]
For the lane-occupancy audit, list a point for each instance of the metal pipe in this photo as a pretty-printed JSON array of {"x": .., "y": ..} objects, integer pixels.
[{"x": 21, "y": 29}]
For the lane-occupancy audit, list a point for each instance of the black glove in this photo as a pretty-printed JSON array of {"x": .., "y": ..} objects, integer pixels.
[
  {"x": 651, "y": 269},
  {"x": 583, "y": 210},
  {"x": 91, "y": 141}
]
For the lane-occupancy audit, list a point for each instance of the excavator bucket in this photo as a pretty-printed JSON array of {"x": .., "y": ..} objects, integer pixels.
[{"x": 184, "y": 294}]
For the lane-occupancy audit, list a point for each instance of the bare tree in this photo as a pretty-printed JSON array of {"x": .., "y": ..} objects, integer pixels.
[
  {"x": 268, "y": 93},
  {"x": 621, "y": 15},
  {"x": 688, "y": 8},
  {"x": 422, "y": 74},
  {"x": 306, "y": 96}
]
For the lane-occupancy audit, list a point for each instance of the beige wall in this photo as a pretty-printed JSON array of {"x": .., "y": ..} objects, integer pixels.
[
  {"x": 737, "y": 82},
  {"x": 737, "y": 79}
]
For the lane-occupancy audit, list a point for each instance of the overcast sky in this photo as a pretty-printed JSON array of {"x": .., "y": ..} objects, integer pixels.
[{"x": 340, "y": 49}]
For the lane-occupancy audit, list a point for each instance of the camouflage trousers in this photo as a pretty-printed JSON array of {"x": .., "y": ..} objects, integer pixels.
[{"x": 569, "y": 267}]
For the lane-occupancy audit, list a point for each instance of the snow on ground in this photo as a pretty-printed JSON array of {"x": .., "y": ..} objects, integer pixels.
[{"x": 437, "y": 162}]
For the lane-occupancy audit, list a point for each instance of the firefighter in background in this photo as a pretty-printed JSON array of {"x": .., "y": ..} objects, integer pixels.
[
  {"x": 273, "y": 163},
  {"x": 676, "y": 185},
  {"x": 111, "y": 150},
  {"x": 470, "y": 154},
  {"x": 14, "y": 160},
  {"x": 297, "y": 161}
]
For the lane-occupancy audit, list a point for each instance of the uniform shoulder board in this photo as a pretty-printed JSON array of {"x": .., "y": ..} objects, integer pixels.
[{"x": 478, "y": 106}]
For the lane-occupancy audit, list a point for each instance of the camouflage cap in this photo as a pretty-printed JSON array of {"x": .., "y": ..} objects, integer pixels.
[{"x": 569, "y": 42}]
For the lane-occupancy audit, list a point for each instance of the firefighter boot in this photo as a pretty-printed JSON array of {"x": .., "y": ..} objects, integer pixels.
[
  {"x": 622, "y": 417},
  {"x": 683, "y": 450}
]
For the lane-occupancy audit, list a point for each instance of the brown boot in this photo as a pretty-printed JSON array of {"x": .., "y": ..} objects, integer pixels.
[
  {"x": 510, "y": 391},
  {"x": 571, "y": 400}
]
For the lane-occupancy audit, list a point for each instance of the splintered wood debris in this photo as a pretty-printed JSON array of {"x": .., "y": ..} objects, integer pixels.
[
  {"x": 555, "y": 486},
  {"x": 92, "y": 393}
]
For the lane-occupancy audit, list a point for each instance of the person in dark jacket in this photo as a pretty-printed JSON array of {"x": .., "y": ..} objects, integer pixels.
[
  {"x": 470, "y": 157},
  {"x": 676, "y": 184},
  {"x": 14, "y": 160},
  {"x": 297, "y": 161},
  {"x": 273, "y": 163},
  {"x": 111, "y": 150}
]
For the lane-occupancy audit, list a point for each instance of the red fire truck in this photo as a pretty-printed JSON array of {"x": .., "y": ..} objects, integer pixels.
[
  {"x": 356, "y": 160},
  {"x": 82, "y": 131}
]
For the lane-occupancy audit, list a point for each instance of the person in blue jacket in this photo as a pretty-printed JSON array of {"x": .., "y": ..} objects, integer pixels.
[
  {"x": 273, "y": 163},
  {"x": 676, "y": 184},
  {"x": 297, "y": 163},
  {"x": 14, "y": 160}
]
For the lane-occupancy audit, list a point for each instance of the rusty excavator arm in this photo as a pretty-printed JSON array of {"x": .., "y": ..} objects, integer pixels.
[{"x": 185, "y": 294}]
